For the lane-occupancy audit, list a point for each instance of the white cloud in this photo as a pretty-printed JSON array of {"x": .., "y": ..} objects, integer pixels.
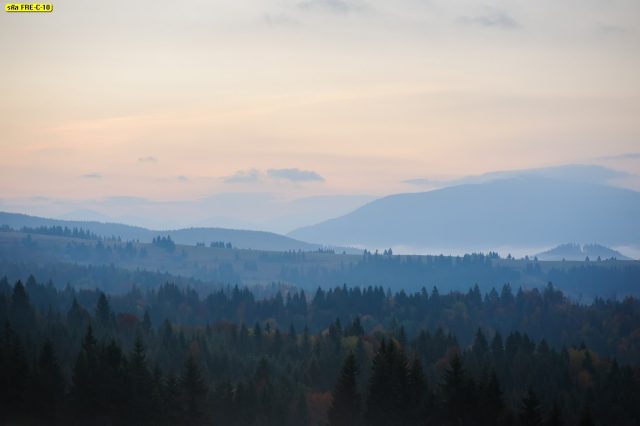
[
  {"x": 295, "y": 175},
  {"x": 148, "y": 159},
  {"x": 243, "y": 176},
  {"x": 93, "y": 175}
]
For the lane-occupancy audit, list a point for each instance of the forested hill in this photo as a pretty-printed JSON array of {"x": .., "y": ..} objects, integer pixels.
[
  {"x": 221, "y": 264},
  {"x": 581, "y": 252},
  {"x": 257, "y": 240},
  {"x": 355, "y": 355}
]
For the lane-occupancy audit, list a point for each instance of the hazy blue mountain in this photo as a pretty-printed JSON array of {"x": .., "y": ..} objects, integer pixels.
[
  {"x": 581, "y": 252},
  {"x": 308, "y": 210},
  {"x": 239, "y": 238},
  {"x": 226, "y": 222},
  {"x": 257, "y": 211},
  {"x": 523, "y": 211},
  {"x": 85, "y": 215},
  {"x": 269, "y": 213},
  {"x": 585, "y": 173}
]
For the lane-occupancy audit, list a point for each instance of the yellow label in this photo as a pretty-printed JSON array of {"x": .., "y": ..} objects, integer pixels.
[{"x": 28, "y": 7}]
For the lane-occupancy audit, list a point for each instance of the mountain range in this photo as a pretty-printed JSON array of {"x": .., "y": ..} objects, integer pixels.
[{"x": 520, "y": 211}]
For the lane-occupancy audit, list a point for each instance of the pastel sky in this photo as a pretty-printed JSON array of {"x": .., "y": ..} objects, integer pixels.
[{"x": 177, "y": 100}]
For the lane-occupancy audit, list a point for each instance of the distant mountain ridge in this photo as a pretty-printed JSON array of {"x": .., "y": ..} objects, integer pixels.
[
  {"x": 258, "y": 240},
  {"x": 581, "y": 252},
  {"x": 525, "y": 211},
  {"x": 260, "y": 211}
]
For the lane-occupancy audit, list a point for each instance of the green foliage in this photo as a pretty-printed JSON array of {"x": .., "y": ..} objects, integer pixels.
[
  {"x": 67, "y": 367},
  {"x": 345, "y": 405},
  {"x": 530, "y": 412}
]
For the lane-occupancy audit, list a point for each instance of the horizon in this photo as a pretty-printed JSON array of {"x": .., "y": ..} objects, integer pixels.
[{"x": 320, "y": 212}]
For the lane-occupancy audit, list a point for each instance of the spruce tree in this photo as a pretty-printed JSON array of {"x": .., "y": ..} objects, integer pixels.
[
  {"x": 103, "y": 311},
  {"x": 21, "y": 313},
  {"x": 172, "y": 406},
  {"x": 194, "y": 389},
  {"x": 529, "y": 414},
  {"x": 48, "y": 384},
  {"x": 387, "y": 401},
  {"x": 458, "y": 392},
  {"x": 84, "y": 389},
  {"x": 146, "y": 322},
  {"x": 376, "y": 412},
  {"x": 141, "y": 383},
  {"x": 418, "y": 394},
  {"x": 345, "y": 405},
  {"x": 493, "y": 403},
  {"x": 15, "y": 373}
]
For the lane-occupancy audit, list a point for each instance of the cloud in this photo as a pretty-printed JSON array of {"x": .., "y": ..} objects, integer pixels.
[
  {"x": 243, "y": 176},
  {"x": 295, "y": 175},
  {"x": 148, "y": 159},
  {"x": 333, "y": 6},
  {"x": 281, "y": 21},
  {"x": 626, "y": 156},
  {"x": 290, "y": 174},
  {"x": 93, "y": 175},
  {"x": 492, "y": 18},
  {"x": 183, "y": 178},
  {"x": 610, "y": 30}
]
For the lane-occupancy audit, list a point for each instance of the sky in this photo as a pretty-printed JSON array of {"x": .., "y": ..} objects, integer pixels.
[{"x": 174, "y": 101}]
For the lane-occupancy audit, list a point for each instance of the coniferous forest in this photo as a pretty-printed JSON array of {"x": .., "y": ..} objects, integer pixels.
[
  {"x": 320, "y": 213},
  {"x": 343, "y": 356}
]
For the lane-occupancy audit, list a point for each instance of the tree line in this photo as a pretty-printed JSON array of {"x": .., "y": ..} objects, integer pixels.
[
  {"x": 610, "y": 327},
  {"x": 81, "y": 364}
]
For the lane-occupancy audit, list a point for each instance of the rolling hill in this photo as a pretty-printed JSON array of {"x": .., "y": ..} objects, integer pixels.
[
  {"x": 581, "y": 252},
  {"x": 257, "y": 240},
  {"x": 118, "y": 266}
]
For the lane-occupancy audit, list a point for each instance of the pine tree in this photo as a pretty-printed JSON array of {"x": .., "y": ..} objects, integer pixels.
[
  {"x": 141, "y": 383},
  {"x": 458, "y": 392},
  {"x": 84, "y": 389},
  {"x": 387, "y": 399},
  {"x": 172, "y": 407},
  {"x": 21, "y": 313},
  {"x": 345, "y": 405},
  {"x": 146, "y": 322},
  {"x": 103, "y": 311},
  {"x": 194, "y": 389},
  {"x": 480, "y": 349},
  {"x": 223, "y": 409},
  {"x": 15, "y": 373},
  {"x": 530, "y": 410},
  {"x": 376, "y": 412},
  {"x": 48, "y": 385},
  {"x": 493, "y": 396},
  {"x": 418, "y": 394},
  {"x": 77, "y": 318}
]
